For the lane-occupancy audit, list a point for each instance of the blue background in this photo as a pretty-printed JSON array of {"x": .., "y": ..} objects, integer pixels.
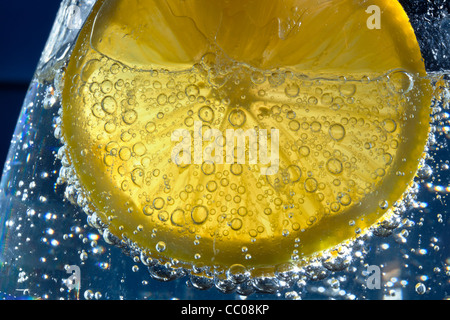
[{"x": 24, "y": 29}]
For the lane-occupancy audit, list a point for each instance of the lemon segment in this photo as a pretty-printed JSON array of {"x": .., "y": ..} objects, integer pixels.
[{"x": 156, "y": 93}]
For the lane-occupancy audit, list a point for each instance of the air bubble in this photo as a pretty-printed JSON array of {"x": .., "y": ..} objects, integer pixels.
[
  {"x": 177, "y": 218},
  {"x": 400, "y": 82},
  {"x": 334, "y": 166},
  {"x": 337, "y": 132},
  {"x": 139, "y": 149},
  {"x": 125, "y": 153},
  {"x": 199, "y": 214},
  {"x": 389, "y": 125},
  {"x": 130, "y": 117},
  {"x": 192, "y": 90},
  {"x": 237, "y": 118},
  {"x": 310, "y": 185},
  {"x": 420, "y": 288},
  {"x": 158, "y": 203},
  {"x": 109, "y": 104},
  {"x": 97, "y": 111},
  {"x": 258, "y": 77},
  {"x": 383, "y": 204},
  {"x": 292, "y": 90},
  {"x": 315, "y": 126},
  {"x": 237, "y": 273},
  {"x": 161, "y": 99},
  {"x": 160, "y": 246},
  {"x": 206, "y": 114},
  {"x": 208, "y": 168},
  {"x": 347, "y": 89},
  {"x": 150, "y": 127},
  {"x": 106, "y": 86},
  {"x": 236, "y": 224},
  {"x": 137, "y": 176},
  {"x": 425, "y": 172}
]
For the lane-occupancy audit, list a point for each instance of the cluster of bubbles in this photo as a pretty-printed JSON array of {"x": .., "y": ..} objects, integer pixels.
[
  {"x": 128, "y": 112},
  {"x": 132, "y": 112}
]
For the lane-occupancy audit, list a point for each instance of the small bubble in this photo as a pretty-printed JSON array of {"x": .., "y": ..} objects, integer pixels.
[
  {"x": 211, "y": 186},
  {"x": 199, "y": 214},
  {"x": 115, "y": 68},
  {"x": 236, "y": 169},
  {"x": 160, "y": 246},
  {"x": 389, "y": 125},
  {"x": 177, "y": 218},
  {"x": 158, "y": 203},
  {"x": 337, "y": 132},
  {"x": 310, "y": 185},
  {"x": 206, "y": 114},
  {"x": 425, "y": 172},
  {"x": 236, "y": 224},
  {"x": 326, "y": 99},
  {"x": 334, "y": 166},
  {"x": 347, "y": 89},
  {"x": 294, "y": 125},
  {"x": 312, "y": 101},
  {"x": 110, "y": 126},
  {"x": 237, "y": 118},
  {"x": 400, "y": 82},
  {"x": 83, "y": 256},
  {"x": 383, "y": 204},
  {"x": 147, "y": 210},
  {"x": 161, "y": 99},
  {"x": 139, "y": 149},
  {"x": 315, "y": 126},
  {"x": 130, "y": 117},
  {"x": 88, "y": 294},
  {"x": 237, "y": 273},
  {"x": 137, "y": 176},
  {"x": 106, "y": 86},
  {"x": 150, "y": 127},
  {"x": 109, "y": 104},
  {"x": 345, "y": 199},
  {"x": 420, "y": 288},
  {"x": 192, "y": 90},
  {"x": 258, "y": 77},
  {"x": 304, "y": 151},
  {"x": 125, "y": 153},
  {"x": 292, "y": 90},
  {"x": 276, "y": 79},
  {"x": 97, "y": 111}
]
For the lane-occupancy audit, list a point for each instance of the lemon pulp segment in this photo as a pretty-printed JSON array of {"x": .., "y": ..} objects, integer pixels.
[{"x": 348, "y": 106}]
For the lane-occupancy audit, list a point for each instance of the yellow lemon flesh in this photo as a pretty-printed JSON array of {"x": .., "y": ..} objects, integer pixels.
[{"x": 333, "y": 117}]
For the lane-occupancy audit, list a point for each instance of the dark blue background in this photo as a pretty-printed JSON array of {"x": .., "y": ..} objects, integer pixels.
[{"x": 24, "y": 29}]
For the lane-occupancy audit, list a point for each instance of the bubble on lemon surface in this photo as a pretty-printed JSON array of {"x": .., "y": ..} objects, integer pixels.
[
  {"x": 109, "y": 104},
  {"x": 337, "y": 132}
]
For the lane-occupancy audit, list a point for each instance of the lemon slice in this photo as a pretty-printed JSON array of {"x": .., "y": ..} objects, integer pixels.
[{"x": 257, "y": 133}]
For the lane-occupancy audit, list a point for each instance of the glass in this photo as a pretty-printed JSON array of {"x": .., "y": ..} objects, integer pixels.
[{"x": 49, "y": 250}]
